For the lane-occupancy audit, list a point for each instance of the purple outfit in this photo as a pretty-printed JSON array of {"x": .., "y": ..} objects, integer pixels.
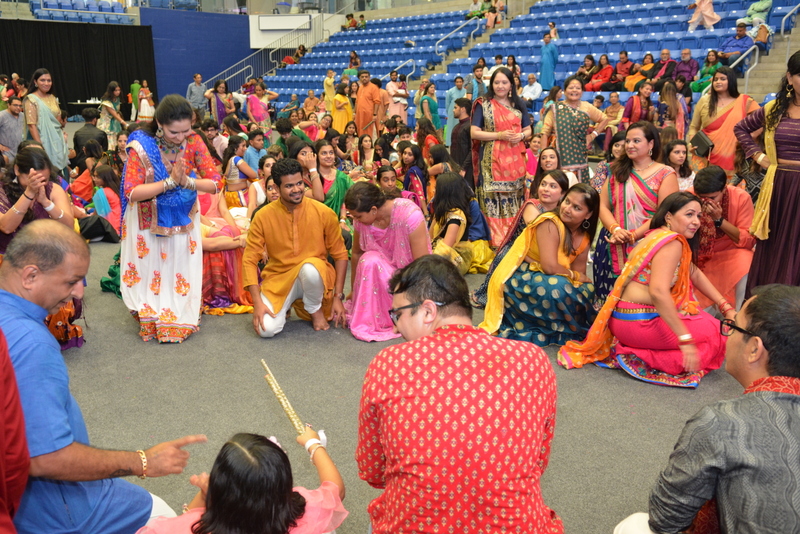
[
  {"x": 384, "y": 251},
  {"x": 777, "y": 259},
  {"x": 689, "y": 69}
]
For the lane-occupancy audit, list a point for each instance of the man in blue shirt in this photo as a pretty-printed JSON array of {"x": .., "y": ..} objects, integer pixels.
[
  {"x": 733, "y": 47},
  {"x": 73, "y": 487},
  {"x": 195, "y": 93},
  {"x": 255, "y": 151}
]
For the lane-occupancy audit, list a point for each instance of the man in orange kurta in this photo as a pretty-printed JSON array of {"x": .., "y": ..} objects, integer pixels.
[
  {"x": 297, "y": 234},
  {"x": 367, "y": 103}
]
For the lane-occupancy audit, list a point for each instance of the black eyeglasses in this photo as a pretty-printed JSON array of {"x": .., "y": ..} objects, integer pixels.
[
  {"x": 727, "y": 326},
  {"x": 394, "y": 315}
]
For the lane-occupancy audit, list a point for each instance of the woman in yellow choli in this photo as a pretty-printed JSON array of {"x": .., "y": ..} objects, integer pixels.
[{"x": 540, "y": 292}]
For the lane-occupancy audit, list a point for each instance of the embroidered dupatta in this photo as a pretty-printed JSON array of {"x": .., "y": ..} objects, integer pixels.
[
  {"x": 50, "y": 134},
  {"x": 598, "y": 342},
  {"x": 760, "y": 226},
  {"x": 632, "y": 202},
  {"x": 571, "y": 127},
  {"x": 720, "y": 131},
  {"x": 172, "y": 211},
  {"x": 504, "y": 162}
]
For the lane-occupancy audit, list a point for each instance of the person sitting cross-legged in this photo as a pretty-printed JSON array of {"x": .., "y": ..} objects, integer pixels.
[{"x": 734, "y": 467}]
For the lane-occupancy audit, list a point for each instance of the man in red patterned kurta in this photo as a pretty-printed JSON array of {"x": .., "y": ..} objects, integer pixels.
[{"x": 454, "y": 425}]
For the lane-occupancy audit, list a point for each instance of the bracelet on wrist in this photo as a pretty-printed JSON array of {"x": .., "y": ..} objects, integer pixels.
[
  {"x": 143, "y": 457},
  {"x": 26, "y": 196},
  {"x": 311, "y": 455},
  {"x": 312, "y": 170},
  {"x": 50, "y": 207}
]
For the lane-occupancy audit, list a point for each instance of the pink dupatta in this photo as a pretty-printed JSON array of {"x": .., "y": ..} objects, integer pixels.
[{"x": 632, "y": 203}]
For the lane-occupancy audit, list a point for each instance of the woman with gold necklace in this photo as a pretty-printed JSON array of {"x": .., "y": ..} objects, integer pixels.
[
  {"x": 628, "y": 200},
  {"x": 161, "y": 259},
  {"x": 570, "y": 124}
]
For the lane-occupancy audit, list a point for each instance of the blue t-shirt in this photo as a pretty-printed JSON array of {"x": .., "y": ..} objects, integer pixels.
[
  {"x": 53, "y": 421},
  {"x": 253, "y": 156}
]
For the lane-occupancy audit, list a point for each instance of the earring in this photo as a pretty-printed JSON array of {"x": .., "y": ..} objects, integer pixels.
[
  {"x": 650, "y": 153},
  {"x": 669, "y": 226},
  {"x": 585, "y": 224},
  {"x": 159, "y": 132},
  {"x": 789, "y": 90}
]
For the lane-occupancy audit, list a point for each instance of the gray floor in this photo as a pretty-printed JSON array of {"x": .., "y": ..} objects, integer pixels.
[{"x": 613, "y": 433}]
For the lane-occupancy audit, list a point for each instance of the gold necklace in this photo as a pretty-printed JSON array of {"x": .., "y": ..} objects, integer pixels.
[{"x": 640, "y": 170}]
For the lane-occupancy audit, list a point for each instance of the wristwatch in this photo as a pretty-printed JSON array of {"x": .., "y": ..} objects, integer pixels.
[
  {"x": 718, "y": 222},
  {"x": 340, "y": 296}
]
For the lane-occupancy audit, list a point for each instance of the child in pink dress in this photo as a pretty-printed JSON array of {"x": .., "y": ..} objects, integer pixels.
[{"x": 250, "y": 465}]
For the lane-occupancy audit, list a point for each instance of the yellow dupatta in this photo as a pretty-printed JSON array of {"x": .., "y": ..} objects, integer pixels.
[
  {"x": 460, "y": 255},
  {"x": 760, "y": 226},
  {"x": 493, "y": 314},
  {"x": 597, "y": 345}
]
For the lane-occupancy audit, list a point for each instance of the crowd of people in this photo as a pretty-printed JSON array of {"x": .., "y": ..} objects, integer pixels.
[{"x": 645, "y": 263}]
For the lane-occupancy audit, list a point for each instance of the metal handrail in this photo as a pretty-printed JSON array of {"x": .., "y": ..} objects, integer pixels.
[
  {"x": 436, "y": 46},
  {"x": 783, "y": 29},
  {"x": 754, "y": 64},
  {"x": 403, "y": 64},
  {"x": 291, "y": 37}
]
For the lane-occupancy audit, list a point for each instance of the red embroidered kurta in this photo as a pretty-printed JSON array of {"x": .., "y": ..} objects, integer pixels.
[{"x": 456, "y": 426}]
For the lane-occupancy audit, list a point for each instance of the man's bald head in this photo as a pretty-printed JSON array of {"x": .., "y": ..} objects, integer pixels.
[{"x": 44, "y": 243}]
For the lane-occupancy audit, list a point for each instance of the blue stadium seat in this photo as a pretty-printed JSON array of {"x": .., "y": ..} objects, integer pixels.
[
  {"x": 58, "y": 15},
  {"x": 35, "y": 6},
  {"x": 51, "y": 4},
  {"x": 105, "y": 6},
  {"x": 80, "y": 5},
  {"x": 116, "y": 7},
  {"x": 72, "y": 17},
  {"x": 64, "y": 4},
  {"x": 99, "y": 19},
  {"x": 86, "y": 17},
  {"x": 112, "y": 19}
]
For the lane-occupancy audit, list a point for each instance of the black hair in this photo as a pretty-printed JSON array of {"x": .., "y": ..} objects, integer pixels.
[
  {"x": 540, "y": 172},
  {"x": 297, "y": 146},
  {"x": 210, "y": 123},
  {"x": 424, "y": 129},
  {"x": 28, "y": 158},
  {"x": 92, "y": 149},
  {"x": 394, "y": 192},
  {"x": 440, "y": 154},
  {"x": 619, "y": 136},
  {"x": 254, "y": 133},
  {"x": 685, "y": 170},
  {"x": 559, "y": 176},
  {"x": 363, "y": 196},
  {"x": 513, "y": 97},
  {"x": 250, "y": 490},
  {"x": 377, "y": 82},
  {"x": 784, "y": 97},
  {"x": 403, "y": 130},
  {"x": 622, "y": 167},
  {"x": 172, "y": 108},
  {"x": 285, "y": 167},
  {"x": 15, "y": 97},
  {"x": 386, "y": 147},
  {"x": 458, "y": 78},
  {"x": 592, "y": 200},
  {"x": 733, "y": 88},
  {"x": 263, "y": 160},
  {"x": 476, "y": 66},
  {"x": 672, "y": 205},
  {"x": 465, "y": 103},
  {"x": 591, "y": 58},
  {"x": 218, "y": 83},
  {"x": 773, "y": 314},
  {"x": 38, "y": 73},
  {"x": 363, "y": 71},
  {"x": 233, "y": 124},
  {"x": 88, "y": 114},
  {"x": 361, "y": 155},
  {"x": 419, "y": 161},
  {"x": 211, "y": 150},
  {"x": 340, "y": 89},
  {"x": 109, "y": 94},
  {"x": 433, "y": 277},
  {"x": 109, "y": 177},
  {"x": 553, "y": 94},
  {"x": 711, "y": 179},
  {"x": 283, "y": 125},
  {"x": 233, "y": 145},
  {"x": 452, "y": 192}
]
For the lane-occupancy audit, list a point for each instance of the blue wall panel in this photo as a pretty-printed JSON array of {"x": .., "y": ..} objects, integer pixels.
[{"x": 186, "y": 42}]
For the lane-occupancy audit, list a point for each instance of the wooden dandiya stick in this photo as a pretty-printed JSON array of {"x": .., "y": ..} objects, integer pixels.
[{"x": 287, "y": 407}]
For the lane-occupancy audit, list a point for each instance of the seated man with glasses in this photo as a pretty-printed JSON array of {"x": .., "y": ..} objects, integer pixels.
[
  {"x": 455, "y": 425},
  {"x": 220, "y": 142},
  {"x": 736, "y": 461}
]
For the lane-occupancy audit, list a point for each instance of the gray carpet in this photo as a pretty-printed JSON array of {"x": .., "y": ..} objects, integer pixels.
[{"x": 613, "y": 433}]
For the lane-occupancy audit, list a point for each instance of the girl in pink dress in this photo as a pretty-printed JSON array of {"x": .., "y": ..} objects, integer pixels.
[
  {"x": 389, "y": 234},
  {"x": 249, "y": 465}
]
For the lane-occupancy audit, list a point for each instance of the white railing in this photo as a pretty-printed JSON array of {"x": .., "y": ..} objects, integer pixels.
[
  {"x": 443, "y": 53},
  {"x": 753, "y": 65},
  {"x": 264, "y": 61},
  {"x": 788, "y": 37},
  {"x": 401, "y": 65}
]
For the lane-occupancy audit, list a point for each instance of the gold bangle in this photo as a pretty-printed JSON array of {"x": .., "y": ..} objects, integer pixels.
[{"x": 143, "y": 456}]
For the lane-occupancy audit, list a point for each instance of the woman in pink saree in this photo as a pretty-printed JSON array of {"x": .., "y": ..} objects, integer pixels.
[{"x": 389, "y": 234}]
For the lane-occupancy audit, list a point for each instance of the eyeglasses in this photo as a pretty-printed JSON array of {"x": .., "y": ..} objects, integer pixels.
[
  {"x": 727, "y": 326},
  {"x": 395, "y": 316}
]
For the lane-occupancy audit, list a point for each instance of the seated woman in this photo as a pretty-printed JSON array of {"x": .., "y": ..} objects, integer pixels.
[
  {"x": 641, "y": 72},
  {"x": 703, "y": 78},
  {"x": 389, "y": 233},
  {"x": 450, "y": 224},
  {"x": 672, "y": 110},
  {"x": 414, "y": 172},
  {"x": 639, "y": 107},
  {"x": 387, "y": 181},
  {"x": 601, "y": 76},
  {"x": 725, "y": 243},
  {"x": 603, "y": 170},
  {"x": 540, "y": 292},
  {"x": 293, "y": 105},
  {"x": 252, "y": 465},
  {"x": 223, "y": 286},
  {"x": 651, "y": 325},
  {"x": 551, "y": 189},
  {"x": 237, "y": 175},
  {"x": 676, "y": 156},
  {"x": 106, "y": 195},
  {"x": 263, "y": 190},
  {"x": 587, "y": 70}
]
